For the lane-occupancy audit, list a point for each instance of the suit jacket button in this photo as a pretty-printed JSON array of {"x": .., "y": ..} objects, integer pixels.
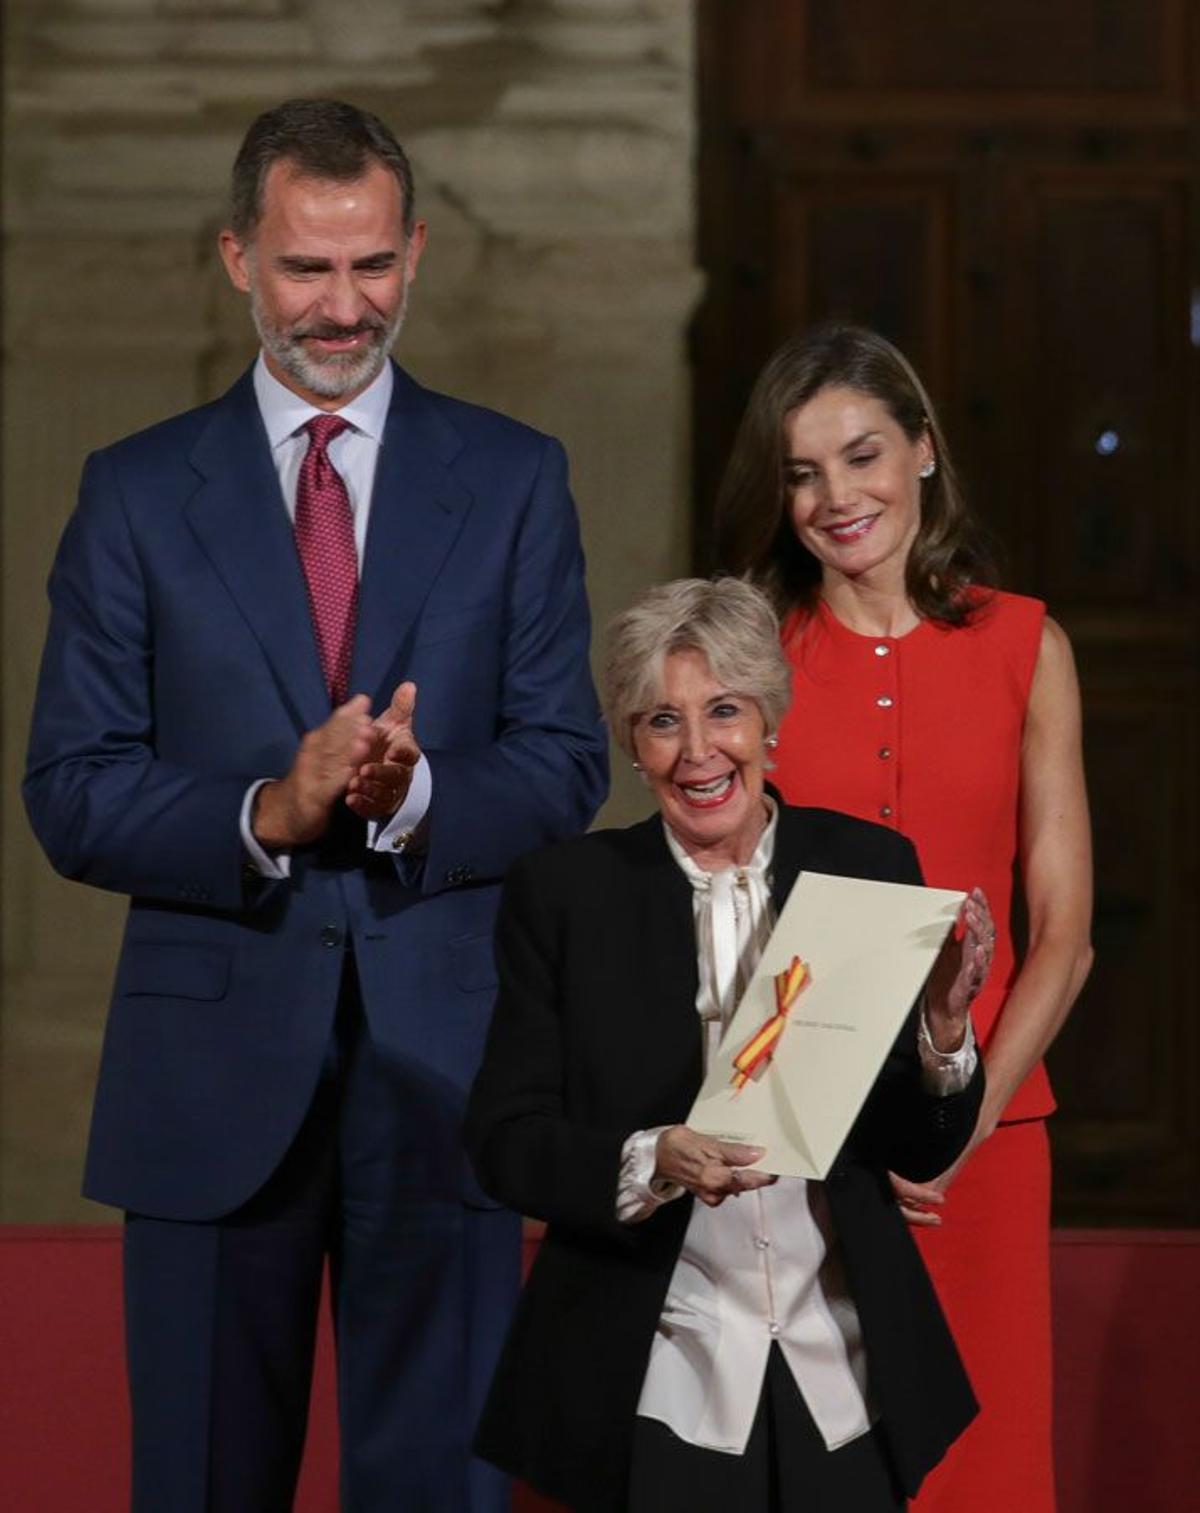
[{"x": 331, "y": 935}]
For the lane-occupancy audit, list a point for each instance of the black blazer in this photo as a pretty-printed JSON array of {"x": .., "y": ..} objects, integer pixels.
[{"x": 596, "y": 1035}]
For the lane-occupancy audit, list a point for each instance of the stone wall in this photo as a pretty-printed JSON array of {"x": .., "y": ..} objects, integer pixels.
[{"x": 552, "y": 143}]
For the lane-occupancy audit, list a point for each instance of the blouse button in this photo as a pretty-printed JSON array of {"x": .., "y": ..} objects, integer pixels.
[
  {"x": 772, "y": 1328},
  {"x": 761, "y": 1242},
  {"x": 885, "y": 811},
  {"x": 882, "y": 651},
  {"x": 884, "y": 753},
  {"x": 884, "y": 701}
]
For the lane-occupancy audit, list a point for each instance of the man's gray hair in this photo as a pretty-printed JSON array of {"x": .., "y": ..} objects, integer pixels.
[
  {"x": 325, "y": 139},
  {"x": 729, "y": 622}
]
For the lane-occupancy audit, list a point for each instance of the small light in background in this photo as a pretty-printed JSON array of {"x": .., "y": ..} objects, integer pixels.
[{"x": 1107, "y": 443}]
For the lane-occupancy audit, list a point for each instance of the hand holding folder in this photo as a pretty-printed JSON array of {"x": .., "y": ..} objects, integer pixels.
[{"x": 798, "y": 1059}]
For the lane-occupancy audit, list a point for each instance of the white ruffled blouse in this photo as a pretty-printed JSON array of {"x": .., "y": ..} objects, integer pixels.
[{"x": 762, "y": 1267}]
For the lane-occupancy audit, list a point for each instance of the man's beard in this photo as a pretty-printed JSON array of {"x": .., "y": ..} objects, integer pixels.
[{"x": 332, "y": 375}]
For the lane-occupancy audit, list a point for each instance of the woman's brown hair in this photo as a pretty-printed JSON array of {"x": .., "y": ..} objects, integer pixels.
[{"x": 755, "y": 536}]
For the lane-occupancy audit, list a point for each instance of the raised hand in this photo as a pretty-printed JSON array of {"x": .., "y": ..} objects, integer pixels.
[
  {"x": 396, "y": 725},
  {"x": 381, "y": 784},
  {"x": 959, "y": 972}
]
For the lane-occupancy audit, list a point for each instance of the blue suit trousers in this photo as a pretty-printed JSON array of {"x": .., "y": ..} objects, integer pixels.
[{"x": 221, "y": 1316}]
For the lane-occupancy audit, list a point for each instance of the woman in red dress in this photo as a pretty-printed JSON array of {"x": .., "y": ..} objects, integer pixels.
[{"x": 927, "y": 700}]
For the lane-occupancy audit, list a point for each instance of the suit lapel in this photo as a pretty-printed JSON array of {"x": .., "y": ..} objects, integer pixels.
[
  {"x": 417, "y": 510},
  {"x": 661, "y": 901},
  {"x": 669, "y": 1033},
  {"x": 239, "y": 517},
  {"x": 789, "y": 854}
]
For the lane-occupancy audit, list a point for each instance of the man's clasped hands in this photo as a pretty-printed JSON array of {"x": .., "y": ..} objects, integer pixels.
[{"x": 367, "y": 761}]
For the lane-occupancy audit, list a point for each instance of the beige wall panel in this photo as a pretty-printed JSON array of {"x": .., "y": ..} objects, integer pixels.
[
  {"x": 552, "y": 145},
  {"x": 52, "y": 1032}
]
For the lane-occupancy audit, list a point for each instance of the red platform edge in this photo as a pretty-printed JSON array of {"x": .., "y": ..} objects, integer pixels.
[{"x": 1127, "y": 1339}]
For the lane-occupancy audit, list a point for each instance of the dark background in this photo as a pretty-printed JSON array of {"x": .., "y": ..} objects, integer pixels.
[{"x": 1009, "y": 192}]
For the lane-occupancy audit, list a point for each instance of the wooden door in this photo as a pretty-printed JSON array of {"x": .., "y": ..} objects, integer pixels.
[{"x": 1010, "y": 193}]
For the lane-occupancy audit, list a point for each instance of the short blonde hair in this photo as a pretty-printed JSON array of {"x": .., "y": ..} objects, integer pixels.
[{"x": 730, "y": 623}]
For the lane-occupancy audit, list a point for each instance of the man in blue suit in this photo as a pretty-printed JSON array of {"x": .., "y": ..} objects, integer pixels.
[{"x": 306, "y": 975}]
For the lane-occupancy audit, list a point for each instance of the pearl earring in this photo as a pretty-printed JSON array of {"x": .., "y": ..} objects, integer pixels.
[
  {"x": 637, "y": 766},
  {"x": 928, "y": 470},
  {"x": 771, "y": 742}
]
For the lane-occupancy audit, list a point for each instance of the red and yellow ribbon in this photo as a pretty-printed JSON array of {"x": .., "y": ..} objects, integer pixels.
[{"x": 759, "y": 1049}]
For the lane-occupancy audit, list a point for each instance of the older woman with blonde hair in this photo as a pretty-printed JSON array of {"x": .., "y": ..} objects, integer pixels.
[{"x": 694, "y": 1334}]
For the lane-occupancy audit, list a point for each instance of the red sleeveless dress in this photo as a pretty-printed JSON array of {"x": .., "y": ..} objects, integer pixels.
[{"x": 922, "y": 732}]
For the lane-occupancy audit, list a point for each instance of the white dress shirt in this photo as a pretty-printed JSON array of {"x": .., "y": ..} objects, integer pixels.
[
  {"x": 763, "y": 1266},
  {"x": 354, "y": 453}
]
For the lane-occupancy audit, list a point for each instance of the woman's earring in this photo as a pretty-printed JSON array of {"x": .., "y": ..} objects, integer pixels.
[
  {"x": 637, "y": 766},
  {"x": 771, "y": 742},
  {"x": 928, "y": 470}
]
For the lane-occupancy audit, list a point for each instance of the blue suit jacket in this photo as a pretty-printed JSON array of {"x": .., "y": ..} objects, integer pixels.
[{"x": 181, "y": 664}]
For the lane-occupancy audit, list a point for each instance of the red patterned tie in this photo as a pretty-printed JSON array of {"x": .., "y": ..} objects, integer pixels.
[{"x": 325, "y": 539}]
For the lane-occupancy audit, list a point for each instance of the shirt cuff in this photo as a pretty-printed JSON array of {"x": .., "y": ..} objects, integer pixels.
[
  {"x": 275, "y": 868},
  {"x": 639, "y": 1191},
  {"x": 945, "y": 1072},
  {"x": 400, "y": 831}
]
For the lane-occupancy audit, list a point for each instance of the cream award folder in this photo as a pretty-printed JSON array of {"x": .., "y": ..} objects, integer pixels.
[{"x": 868, "y": 948}]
